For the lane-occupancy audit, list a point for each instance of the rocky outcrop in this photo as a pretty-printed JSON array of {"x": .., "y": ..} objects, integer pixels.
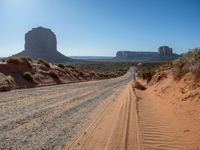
[
  {"x": 40, "y": 39},
  {"x": 41, "y": 43}
]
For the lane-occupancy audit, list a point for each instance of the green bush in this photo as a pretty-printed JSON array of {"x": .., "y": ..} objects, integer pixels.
[
  {"x": 53, "y": 74},
  {"x": 28, "y": 76},
  {"x": 61, "y": 66},
  {"x": 43, "y": 62}
]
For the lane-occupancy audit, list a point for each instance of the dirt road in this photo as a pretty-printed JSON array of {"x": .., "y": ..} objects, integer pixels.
[
  {"x": 137, "y": 120},
  {"x": 47, "y": 117},
  {"x": 115, "y": 128},
  {"x": 97, "y": 115}
]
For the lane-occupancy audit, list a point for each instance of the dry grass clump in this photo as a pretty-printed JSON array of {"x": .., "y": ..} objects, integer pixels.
[
  {"x": 20, "y": 60},
  {"x": 61, "y": 66},
  {"x": 138, "y": 85},
  {"x": 70, "y": 66},
  {"x": 190, "y": 62},
  {"x": 146, "y": 73},
  {"x": 53, "y": 74},
  {"x": 7, "y": 84},
  {"x": 9, "y": 79},
  {"x": 43, "y": 62}
]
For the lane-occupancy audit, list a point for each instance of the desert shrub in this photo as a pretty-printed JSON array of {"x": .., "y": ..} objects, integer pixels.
[
  {"x": 69, "y": 66},
  {"x": 14, "y": 60},
  {"x": 44, "y": 68},
  {"x": 53, "y": 74},
  {"x": 10, "y": 79},
  {"x": 92, "y": 73},
  {"x": 29, "y": 59},
  {"x": 146, "y": 73},
  {"x": 138, "y": 85},
  {"x": 190, "y": 62},
  {"x": 28, "y": 76},
  {"x": 81, "y": 73},
  {"x": 61, "y": 66},
  {"x": 43, "y": 62},
  {"x": 10, "y": 84},
  {"x": 20, "y": 60}
]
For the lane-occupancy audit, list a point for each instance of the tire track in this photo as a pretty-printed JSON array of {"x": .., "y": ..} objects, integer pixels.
[{"x": 115, "y": 127}]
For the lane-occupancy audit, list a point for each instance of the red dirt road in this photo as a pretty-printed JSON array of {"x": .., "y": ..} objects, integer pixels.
[{"x": 115, "y": 127}]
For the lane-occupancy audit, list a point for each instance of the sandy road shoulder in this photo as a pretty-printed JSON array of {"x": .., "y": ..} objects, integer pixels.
[{"x": 114, "y": 127}]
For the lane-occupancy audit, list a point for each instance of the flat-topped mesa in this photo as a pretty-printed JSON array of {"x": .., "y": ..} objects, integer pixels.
[
  {"x": 40, "y": 39},
  {"x": 164, "y": 53}
]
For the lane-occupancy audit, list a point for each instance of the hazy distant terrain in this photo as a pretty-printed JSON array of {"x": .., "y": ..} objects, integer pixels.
[{"x": 92, "y": 58}]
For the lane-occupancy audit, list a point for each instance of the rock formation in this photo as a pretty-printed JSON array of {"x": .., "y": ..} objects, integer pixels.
[
  {"x": 41, "y": 43},
  {"x": 40, "y": 39},
  {"x": 136, "y": 56},
  {"x": 164, "y": 53}
]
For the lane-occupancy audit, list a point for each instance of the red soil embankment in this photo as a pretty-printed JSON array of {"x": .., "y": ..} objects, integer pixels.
[{"x": 169, "y": 114}]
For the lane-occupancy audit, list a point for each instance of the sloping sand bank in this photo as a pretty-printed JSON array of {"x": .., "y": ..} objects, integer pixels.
[
  {"x": 169, "y": 114},
  {"x": 165, "y": 116}
]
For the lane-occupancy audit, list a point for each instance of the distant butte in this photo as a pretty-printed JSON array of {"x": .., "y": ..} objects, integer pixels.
[
  {"x": 41, "y": 43},
  {"x": 164, "y": 53}
]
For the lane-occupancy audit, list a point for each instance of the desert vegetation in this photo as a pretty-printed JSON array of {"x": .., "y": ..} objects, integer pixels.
[
  {"x": 105, "y": 69},
  {"x": 29, "y": 73},
  {"x": 146, "y": 71},
  {"x": 20, "y": 60},
  {"x": 6, "y": 83},
  {"x": 53, "y": 74},
  {"x": 189, "y": 63},
  {"x": 43, "y": 62},
  {"x": 28, "y": 76},
  {"x": 138, "y": 85},
  {"x": 61, "y": 66}
]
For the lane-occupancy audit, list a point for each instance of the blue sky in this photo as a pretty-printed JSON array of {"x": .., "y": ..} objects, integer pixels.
[{"x": 102, "y": 27}]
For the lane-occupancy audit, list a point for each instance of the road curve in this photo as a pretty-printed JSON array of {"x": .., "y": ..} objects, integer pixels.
[{"x": 47, "y": 117}]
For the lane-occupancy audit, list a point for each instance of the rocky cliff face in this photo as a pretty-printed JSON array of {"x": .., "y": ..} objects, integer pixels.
[
  {"x": 40, "y": 39},
  {"x": 41, "y": 43}
]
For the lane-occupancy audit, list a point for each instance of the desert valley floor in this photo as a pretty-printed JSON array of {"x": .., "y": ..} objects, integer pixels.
[{"x": 106, "y": 114}]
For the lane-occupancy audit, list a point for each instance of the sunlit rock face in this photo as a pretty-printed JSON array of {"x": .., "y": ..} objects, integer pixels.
[
  {"x": 40, "y": 39},
  {"x": 41, "y": 43}
]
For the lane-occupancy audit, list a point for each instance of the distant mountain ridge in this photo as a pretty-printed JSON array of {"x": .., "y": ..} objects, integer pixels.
[{"x": 92, "y": 58}]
